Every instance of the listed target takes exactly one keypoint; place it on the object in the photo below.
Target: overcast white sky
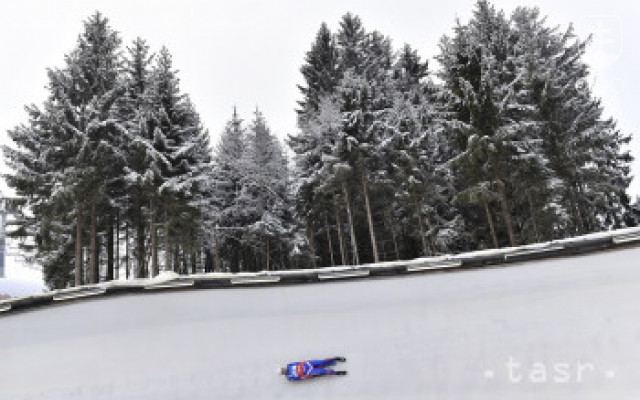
(248, 53)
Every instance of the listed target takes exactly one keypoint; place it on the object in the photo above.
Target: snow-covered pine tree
(38, 162)
(351, 41)
(192, 186)
(181, 169)
(82, 141)
(136, 112)
(92, 85)
(363, 95)
(317, 187)
(264, 196)
(529, 134)
(338, 148)
(314, 193)
(228, 171)
(585, 151)
(109, 136)
(534, 218)
(320, 72)
(472, 108)
(494, 130)
(413, 154)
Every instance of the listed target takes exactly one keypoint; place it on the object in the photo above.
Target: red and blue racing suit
(309, 369)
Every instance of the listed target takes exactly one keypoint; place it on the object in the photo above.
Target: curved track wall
(555, 328)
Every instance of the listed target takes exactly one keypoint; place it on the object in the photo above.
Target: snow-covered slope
(561, 328)
(12, 287)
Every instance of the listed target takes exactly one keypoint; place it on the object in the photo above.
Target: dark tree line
(116, 155)
(502, 144)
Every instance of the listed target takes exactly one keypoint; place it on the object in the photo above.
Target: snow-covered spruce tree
(92, 83)
(534, 218)
(317, 187)
(347, 145)
(321, 75)
(135, 111)
(264, 198)
(228, 171)
(189, 220)
(37, 164)
(365, 98)
(493, 130)
(529, 136)
(180, 168)
(389, 146)
(351, 45)
(79, 129)
(590, 169)
(413, 150)
(320, 72)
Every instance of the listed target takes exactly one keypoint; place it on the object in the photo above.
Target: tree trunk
(490, 221)
(110, 245)
(586, 214)
(79, 276)
(93, 260)
(354, 244)
(153, 271)
(395, 245)
(243, 261)
(192, 258)
(177, 267)
(85, 263)
(394, 238)
(312, 245)
(281, 249)
(140, 271)
(340, 233)
(208, 260)
(235, 257)
(372, 234)
(533, 217)
(184, 253)
(423, 235)
(216, 238)
(179, 264)
(430, 240)
(117, 271)
(126, 250)
(266, 239)
(167, 253)
(579, 225)
(506, 215)
(330, 243)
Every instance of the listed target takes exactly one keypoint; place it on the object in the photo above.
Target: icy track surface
(566, 328)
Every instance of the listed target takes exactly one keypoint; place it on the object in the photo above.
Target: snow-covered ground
(21, 278)
(563, 328)
(18, 268)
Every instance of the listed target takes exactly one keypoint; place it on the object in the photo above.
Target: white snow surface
(422, 336)
(12, 287)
